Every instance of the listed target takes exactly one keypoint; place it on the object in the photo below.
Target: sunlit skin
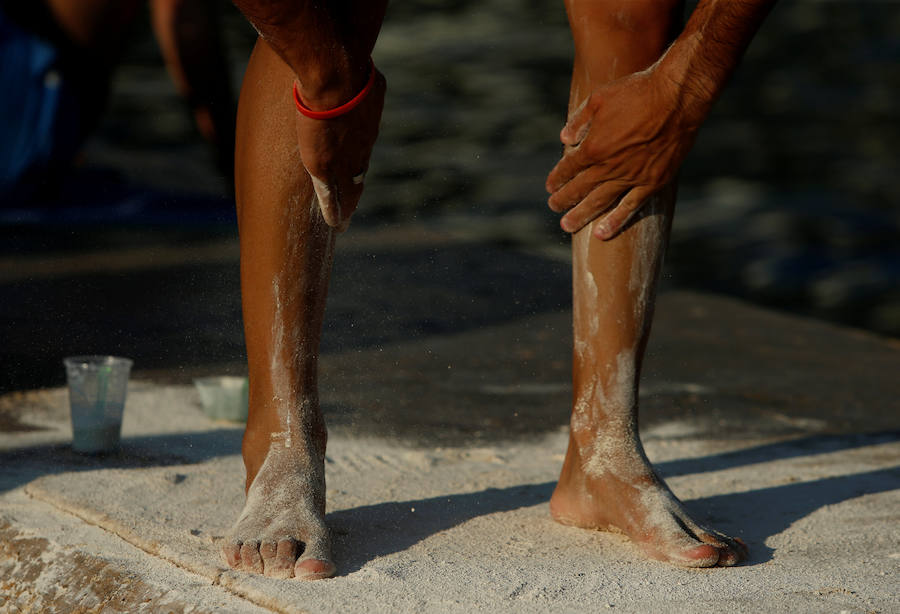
(636, 103)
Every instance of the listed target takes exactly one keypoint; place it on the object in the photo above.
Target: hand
(335, 153)
(623, 144)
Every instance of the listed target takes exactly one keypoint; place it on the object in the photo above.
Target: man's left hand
(623, 144)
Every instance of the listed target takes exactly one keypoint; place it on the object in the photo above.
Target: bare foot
(281, 532)
(613, 487)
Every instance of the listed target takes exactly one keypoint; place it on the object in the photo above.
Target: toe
(731, 551)
(232, 554)
(313, 569)
(735, 552)
(268, 550)
(703, 555)
(728, 558)
(283, 556)
(250, 558)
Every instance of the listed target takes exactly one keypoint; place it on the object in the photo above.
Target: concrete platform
(443, 454)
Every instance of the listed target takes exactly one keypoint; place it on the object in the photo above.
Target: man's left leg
(607, 481)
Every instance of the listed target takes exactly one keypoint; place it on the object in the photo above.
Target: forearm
(327, 44)
(704, 56)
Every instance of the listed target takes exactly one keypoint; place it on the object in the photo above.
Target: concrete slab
(780, 430)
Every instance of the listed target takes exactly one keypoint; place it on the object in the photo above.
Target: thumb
(579, 123)
(328, 201)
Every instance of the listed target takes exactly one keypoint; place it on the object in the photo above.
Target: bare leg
(607, 481)
(286, 251)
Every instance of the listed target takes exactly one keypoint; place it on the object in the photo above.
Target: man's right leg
(286, 251)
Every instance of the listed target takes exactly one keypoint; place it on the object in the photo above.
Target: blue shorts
(39, 114)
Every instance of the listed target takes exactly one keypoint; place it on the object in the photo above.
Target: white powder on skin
(609, 399)
(330, 203)
(605, 408)
(286, 498)
(649, 252)
(286, 501)
(290, 353)
(614, 405)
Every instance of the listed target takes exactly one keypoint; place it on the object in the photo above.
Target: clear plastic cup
(97, 389)
(223, 397)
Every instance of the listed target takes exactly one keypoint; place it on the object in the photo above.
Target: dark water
(791, 196)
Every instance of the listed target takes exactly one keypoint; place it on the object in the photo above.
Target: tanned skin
(636, 103)
(646, 122)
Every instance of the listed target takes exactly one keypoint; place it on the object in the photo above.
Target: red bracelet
(344, 108)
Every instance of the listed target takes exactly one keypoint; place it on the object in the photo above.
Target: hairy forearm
(704, 56)
(327, 44)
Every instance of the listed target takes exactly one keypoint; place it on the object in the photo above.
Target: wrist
(326, 85)
(694, 89)
(341, 109)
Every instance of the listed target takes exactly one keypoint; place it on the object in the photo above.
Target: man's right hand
(336, 152)
(328, 46)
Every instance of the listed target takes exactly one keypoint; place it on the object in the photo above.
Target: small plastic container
(223, 397)
(97, 389)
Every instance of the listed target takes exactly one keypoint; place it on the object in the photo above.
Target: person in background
(57, 58)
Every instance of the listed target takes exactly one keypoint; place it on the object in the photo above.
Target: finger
(579, 122)
(615, 220)
(593, 205)
(573, 162)
(577, 189)
(329, 201)
(350, 196)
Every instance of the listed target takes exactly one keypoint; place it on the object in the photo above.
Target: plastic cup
(223, 397)
(97, 389)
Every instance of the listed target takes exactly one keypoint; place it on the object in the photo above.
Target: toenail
(313, 569)
(728, 558)
(702, 556)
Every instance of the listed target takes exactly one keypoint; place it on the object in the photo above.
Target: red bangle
(344, 108)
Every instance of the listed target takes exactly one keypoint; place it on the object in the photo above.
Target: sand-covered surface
(441, 462)
(459, 529)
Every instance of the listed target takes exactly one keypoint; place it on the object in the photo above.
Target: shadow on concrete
(769, 511)
(371, 531)
(189, 315)
(783, 450)
(23, 465)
